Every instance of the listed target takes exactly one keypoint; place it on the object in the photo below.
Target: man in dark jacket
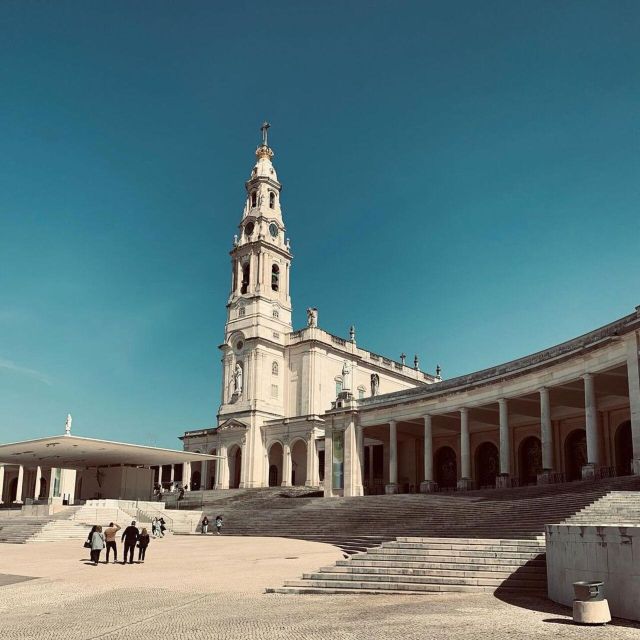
(130, 537)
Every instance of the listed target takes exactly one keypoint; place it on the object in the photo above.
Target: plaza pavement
(194, 587)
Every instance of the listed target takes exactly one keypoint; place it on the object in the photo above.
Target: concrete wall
(127, 483)
(607, 553)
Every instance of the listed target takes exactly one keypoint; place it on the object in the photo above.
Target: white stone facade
(309, 408)
(278, 383)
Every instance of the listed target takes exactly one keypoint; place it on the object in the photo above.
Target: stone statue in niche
(237, 379)
(375, 384)
(346, 377)
(67, 425)
(312, 317)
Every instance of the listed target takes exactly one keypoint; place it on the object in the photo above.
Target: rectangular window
(274, 390)
(338, 387)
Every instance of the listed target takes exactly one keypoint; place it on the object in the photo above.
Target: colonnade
(34, 475)
(546, 439)
(311, 463)
(350, 469)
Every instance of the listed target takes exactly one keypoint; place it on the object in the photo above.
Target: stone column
(505, 450)
(361, 453)
(18, 499)
(36, 490)
(591, 421)
(204, 475)
(1, 483)
(546, 437)
(465, 482)
(633, 376)
(393, 487)
(328, 462)
(186, 475)
(222, 469)
(428, 485)
(172, 477)
(286, 464)
(244, 463)
(312, 462)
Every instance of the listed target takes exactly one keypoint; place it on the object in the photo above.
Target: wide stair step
(424, 565)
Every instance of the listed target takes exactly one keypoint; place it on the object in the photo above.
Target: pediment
(232, 424)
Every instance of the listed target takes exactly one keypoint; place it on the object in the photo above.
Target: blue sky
(461, 181)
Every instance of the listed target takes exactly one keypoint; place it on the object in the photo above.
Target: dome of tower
(263, 167)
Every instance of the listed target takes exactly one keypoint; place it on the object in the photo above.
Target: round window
(248, 229)
(239, 345)
(273, 230)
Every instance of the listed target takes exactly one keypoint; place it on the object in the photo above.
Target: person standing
(163, 526)
(205, 525)
(218, 524)
(130, 537)
(87, 544)
(143, 543)
(110, 539)
(97, 544)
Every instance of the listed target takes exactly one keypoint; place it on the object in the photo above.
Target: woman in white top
(97, 544)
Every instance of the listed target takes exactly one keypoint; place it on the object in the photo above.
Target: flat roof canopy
(72, 452)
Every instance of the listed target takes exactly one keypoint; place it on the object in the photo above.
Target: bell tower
(259, 304)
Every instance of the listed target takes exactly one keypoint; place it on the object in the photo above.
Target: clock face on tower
(273, 230)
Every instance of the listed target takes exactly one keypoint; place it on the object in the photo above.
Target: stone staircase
(61, 530)
(18, 529)
(424, 565)
(484, 541)
(355, 524)
(616, 507)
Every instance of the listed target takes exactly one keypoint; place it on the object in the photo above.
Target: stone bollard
(590, 605)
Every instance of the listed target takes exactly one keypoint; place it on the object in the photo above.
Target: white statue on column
(346, 377)
(67, 425)
(312, 317)
(237, 379)
(375, 384)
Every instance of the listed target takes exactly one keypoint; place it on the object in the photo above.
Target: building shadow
(544, 605)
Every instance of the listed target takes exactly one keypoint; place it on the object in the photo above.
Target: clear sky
(461, 180)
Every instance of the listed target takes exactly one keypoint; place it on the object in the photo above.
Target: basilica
(309, 408)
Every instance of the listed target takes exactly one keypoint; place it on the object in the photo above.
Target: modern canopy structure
(71, 467)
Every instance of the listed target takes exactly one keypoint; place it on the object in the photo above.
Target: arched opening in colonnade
(298, 463)
(529, 460)
(235, 466)
(194, 481)
(487, 463)
(446, 468)
(624, 449)
(275, 464)
(575, 454)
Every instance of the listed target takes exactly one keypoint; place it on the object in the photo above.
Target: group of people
(205, 525)
(132, 537)
(158, 527)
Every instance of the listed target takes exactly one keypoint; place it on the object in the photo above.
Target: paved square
(193, 587)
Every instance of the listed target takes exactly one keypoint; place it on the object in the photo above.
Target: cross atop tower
(265, 133)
